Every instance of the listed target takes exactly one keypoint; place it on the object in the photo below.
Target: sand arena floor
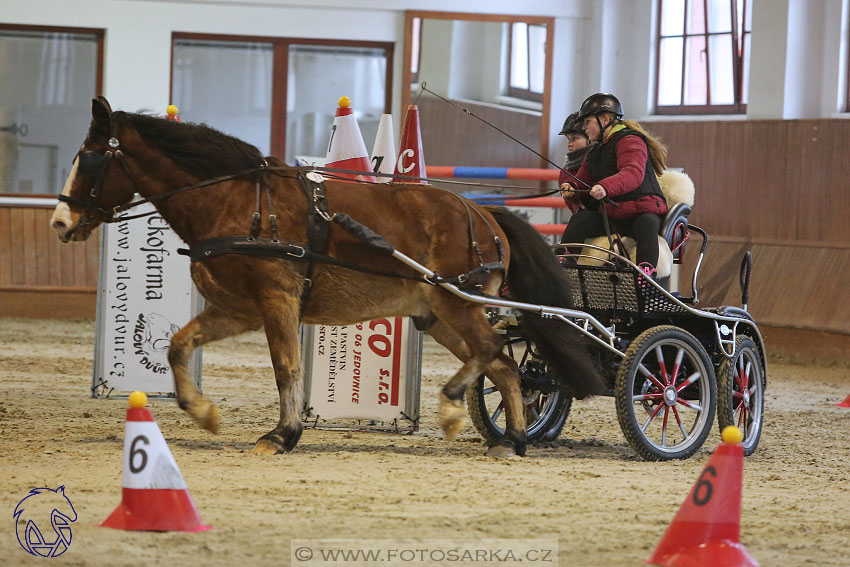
(587, 489)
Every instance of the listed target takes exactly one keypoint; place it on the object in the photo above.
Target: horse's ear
(105, 102)
(100, 111)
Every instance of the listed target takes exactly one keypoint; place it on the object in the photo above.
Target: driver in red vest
(621, 166)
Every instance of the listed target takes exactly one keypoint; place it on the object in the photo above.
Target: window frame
(100, 35)
(280, 45)
(739, 55)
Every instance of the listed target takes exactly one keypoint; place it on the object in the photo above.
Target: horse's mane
(195, 148)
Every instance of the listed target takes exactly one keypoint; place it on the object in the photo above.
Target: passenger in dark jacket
(578, 144)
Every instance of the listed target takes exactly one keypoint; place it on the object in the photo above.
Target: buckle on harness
(295, 254)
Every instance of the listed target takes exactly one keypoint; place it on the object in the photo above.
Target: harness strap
(244, 244)
(317, 227)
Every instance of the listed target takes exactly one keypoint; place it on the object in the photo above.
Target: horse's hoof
(265, 447)
(452, 416)
(500, 452)
(206, 415)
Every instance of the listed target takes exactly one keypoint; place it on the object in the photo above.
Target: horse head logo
(158, 332)
(42, 503)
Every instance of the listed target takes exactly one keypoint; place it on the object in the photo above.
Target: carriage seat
(678, 189)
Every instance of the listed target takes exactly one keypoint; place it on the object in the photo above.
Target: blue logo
(40, 504)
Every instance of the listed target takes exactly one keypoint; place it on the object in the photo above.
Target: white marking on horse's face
(63, 220)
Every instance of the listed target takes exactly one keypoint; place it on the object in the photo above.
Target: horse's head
(96, 185)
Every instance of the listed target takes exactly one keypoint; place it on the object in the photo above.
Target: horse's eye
(90, 163)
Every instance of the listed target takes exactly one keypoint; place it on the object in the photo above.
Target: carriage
(669, 364)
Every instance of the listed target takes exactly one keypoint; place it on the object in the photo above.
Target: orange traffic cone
(346, 149)
(171, 113)
(411, 160)
(706, 529)
(383, 152)
(845, 403)
(154, 494)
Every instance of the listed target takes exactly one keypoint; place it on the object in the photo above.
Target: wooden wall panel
(782, 180)
(794, 286)
(5, 247)
(451, 137)
(32, 258)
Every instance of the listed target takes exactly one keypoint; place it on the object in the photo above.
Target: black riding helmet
(600, 102)
(572, 125)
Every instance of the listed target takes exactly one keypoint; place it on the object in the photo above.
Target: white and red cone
(346, 149)
(411, 160)
(706, 529)
(383, 151)
(154, 495)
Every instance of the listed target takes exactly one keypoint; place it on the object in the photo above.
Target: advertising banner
(144, 296)
(365, 371)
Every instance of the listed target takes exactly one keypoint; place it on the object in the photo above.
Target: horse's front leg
(280, 318)
(210, 325)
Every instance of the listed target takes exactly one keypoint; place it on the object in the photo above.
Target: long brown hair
(657, 150)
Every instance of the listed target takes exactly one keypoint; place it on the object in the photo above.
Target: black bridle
(93, 164)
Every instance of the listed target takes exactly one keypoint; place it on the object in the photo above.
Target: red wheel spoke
(652, 416)
(650, 376)
(642, 397)
(690, 405)
(691, 379)
(679, 421)
(661, 367)
(664, 426)
(677, 365)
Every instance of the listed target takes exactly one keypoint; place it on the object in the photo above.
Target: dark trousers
(643, 228)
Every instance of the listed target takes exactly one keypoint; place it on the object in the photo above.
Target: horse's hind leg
(280, 318)
(502, 371)
(210, 325)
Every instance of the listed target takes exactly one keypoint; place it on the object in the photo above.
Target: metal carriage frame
(671, 366)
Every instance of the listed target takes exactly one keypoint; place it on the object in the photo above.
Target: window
(51, 75)
(703, 56)
(415, 43)
(279, 94)
(847, 66)
(526, 64)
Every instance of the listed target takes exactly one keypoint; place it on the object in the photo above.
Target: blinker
(90, 163)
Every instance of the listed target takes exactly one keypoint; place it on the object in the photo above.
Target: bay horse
(207, 185)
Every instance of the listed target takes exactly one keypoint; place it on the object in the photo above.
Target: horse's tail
(535, 276)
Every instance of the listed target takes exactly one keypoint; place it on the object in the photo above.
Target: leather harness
(315, 251)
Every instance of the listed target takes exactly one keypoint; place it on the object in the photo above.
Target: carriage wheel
(740, 391)
(666, 394)
(546, 408)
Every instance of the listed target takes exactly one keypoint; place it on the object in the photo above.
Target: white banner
(362, 371)
(144, 296)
